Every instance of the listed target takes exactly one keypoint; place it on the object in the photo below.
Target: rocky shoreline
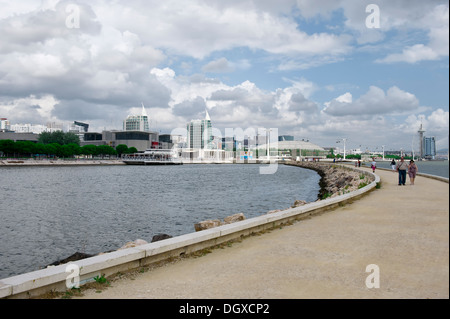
(336, 179)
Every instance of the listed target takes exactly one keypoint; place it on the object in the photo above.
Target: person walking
(373, 165)
(393, 164)
(412, 170)
(402, 166)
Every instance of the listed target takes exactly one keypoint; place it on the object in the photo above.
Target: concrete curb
(54, 278)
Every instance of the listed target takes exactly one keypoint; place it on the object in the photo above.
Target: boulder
(74, 257)
(234, 218)
(207, 224)
(137, 242)
(159, 237)
(298, 203)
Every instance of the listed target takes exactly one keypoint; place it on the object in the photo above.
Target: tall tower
(199, 133)
(137, 122)
(421, 131)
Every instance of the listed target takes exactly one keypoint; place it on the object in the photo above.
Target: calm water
(49, 213)
(439, 168)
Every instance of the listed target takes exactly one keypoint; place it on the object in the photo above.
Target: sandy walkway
(404, 230)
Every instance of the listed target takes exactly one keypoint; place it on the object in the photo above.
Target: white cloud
(436, 23)
(412, 54)
(221, 65)
(375, 101)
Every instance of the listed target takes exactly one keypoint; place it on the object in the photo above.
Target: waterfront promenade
(404, 230)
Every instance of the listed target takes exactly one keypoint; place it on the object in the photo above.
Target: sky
(369, 72)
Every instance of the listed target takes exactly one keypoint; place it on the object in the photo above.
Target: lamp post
(344, 140)
(383, 151)
(268, 143)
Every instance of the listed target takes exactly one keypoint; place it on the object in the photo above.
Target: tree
(71, 138)
(39, 149)
(50, 149)
(121, 149)
(7, 146)
(89, 150)
(58, 137)
(105, 150)
(132, 150)
(24, 148)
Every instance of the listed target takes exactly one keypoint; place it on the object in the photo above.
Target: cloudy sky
(322, 70)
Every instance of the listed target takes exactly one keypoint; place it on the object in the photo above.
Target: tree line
(61, 145)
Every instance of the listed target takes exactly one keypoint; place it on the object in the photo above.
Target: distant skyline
(319, 70)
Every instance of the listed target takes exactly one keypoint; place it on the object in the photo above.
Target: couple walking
(402, 167)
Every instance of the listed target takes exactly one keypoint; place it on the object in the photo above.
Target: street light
(345, 140)
(268, 143)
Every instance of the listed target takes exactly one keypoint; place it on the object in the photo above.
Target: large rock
(207, 224)
(298, 203)
(137, 242)
(159, 237)
(234, 218)
(74, 257)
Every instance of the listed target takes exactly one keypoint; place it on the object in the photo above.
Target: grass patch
(326, 195)
(362, 184)
(101, 280)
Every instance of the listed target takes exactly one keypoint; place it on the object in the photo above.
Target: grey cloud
(236, 94)
(26, 113)
(20, 31)
(299, 103)
(71, 110)
(218, 66)
(190, 108)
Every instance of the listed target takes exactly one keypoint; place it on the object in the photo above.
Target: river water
(438, 168)
(49, 213)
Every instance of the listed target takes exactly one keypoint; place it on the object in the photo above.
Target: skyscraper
(421, 131)
(137, 122)
(429, 147)
(199, 133)
(4, 124)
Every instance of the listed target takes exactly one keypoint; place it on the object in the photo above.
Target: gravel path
(404, 230)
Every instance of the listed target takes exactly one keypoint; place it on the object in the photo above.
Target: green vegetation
(20, 149)
(101, 279)
(397, 157)
(61, 145)
(326, 195)
(362, 184)
(58, 137)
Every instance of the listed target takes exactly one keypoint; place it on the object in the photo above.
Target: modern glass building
(429, 147)
(137, 122)
(199, 133)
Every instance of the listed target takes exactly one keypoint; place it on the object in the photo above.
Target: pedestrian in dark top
(402, 166)
(393, 164)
